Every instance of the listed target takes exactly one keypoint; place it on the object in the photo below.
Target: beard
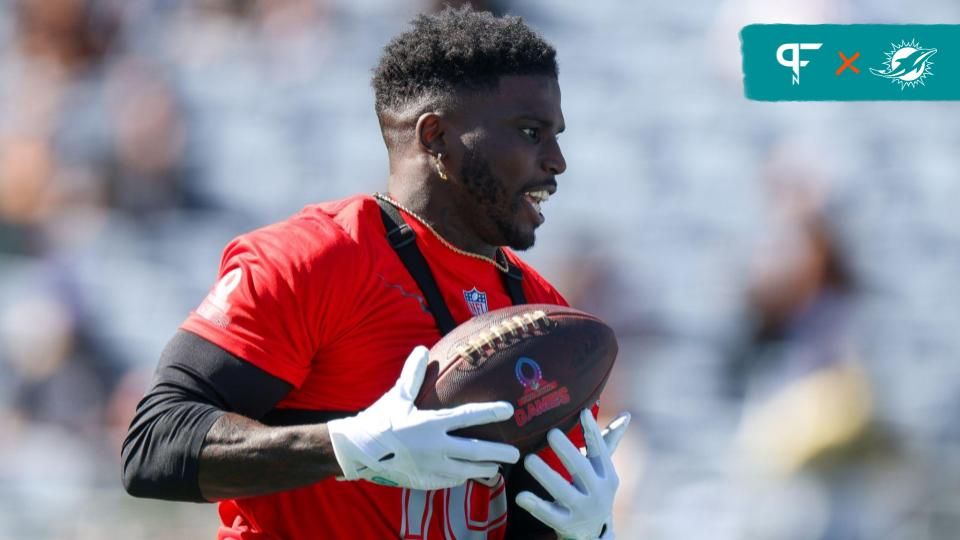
(494, 209)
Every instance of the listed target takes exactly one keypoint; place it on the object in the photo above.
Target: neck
(435, 207)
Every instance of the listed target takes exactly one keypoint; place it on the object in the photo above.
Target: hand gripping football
(550, 362)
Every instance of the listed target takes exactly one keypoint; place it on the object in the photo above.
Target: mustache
(549, 183)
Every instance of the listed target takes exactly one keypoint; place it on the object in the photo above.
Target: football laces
(505, 333)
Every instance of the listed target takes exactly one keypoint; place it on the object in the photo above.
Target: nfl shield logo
(476, 301)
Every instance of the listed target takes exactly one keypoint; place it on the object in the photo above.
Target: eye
(531, 133)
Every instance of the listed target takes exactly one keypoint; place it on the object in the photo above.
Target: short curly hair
(457, 50)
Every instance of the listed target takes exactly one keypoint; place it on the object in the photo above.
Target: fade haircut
(453, 51)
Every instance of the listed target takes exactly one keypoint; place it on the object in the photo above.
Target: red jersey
(322, 301)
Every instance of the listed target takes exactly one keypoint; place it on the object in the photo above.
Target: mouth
(536, 196)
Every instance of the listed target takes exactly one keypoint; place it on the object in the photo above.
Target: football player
(287, 395)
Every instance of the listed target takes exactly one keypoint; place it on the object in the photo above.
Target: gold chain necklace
(500, 266)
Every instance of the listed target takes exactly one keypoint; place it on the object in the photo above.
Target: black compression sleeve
(195, 383)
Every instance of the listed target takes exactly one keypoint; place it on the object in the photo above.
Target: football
(550, 362)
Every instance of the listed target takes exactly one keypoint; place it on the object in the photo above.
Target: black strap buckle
(401, 236)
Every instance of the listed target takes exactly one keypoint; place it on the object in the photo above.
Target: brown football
(550, 362)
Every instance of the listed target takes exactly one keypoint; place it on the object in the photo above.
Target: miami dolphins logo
(907, 64)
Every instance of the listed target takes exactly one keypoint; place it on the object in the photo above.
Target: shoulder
(313, 236)
(537, 287)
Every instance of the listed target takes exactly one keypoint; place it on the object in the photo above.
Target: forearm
(243, 458)
(188, 407)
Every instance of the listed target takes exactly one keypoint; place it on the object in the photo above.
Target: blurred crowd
(782, 277)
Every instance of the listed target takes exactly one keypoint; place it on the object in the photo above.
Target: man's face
(508, 158)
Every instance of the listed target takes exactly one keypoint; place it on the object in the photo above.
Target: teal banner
(859, 62)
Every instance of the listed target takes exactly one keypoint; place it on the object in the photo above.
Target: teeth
(539, 196)
(532, 201)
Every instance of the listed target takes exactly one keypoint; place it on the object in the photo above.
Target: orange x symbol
(848, 62)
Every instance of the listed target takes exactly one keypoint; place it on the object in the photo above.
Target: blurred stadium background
(783, 277)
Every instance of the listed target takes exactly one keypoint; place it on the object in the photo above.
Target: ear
(430, 133)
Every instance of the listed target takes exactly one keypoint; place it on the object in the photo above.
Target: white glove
(395, 444)
(580, 510)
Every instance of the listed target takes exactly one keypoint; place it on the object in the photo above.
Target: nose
(553, 162)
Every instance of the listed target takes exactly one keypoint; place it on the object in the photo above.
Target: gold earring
(443, 175)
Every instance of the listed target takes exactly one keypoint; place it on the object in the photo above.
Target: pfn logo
(794, 62)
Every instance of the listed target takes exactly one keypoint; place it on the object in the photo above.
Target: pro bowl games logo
(907, 64)
(539, 396)
(476, 301)
(529, 374)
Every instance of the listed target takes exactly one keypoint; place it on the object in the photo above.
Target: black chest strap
(402, 239)
(513, 282)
